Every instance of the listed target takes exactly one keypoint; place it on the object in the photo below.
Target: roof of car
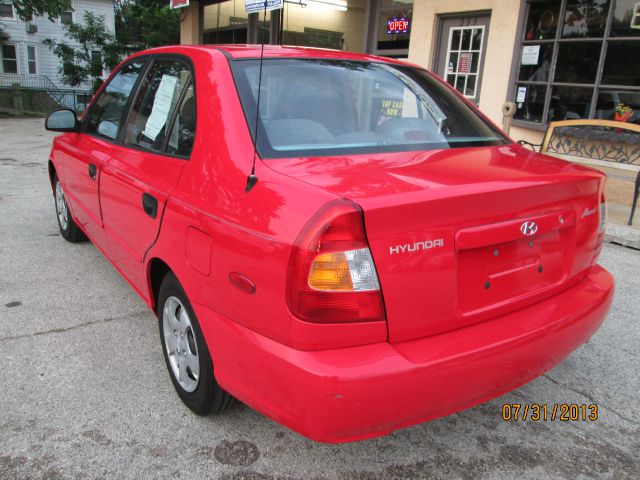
(236, 51)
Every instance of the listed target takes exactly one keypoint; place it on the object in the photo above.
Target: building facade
(23, 57)
(555, 59)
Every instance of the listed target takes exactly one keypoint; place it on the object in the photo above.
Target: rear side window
(155, 104)
(106, 114)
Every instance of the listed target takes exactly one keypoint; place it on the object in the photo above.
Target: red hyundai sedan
(340, 241)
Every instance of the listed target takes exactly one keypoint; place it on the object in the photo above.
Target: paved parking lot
(85, 392)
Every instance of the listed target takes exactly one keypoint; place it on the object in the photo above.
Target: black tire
(70, 232)
(207, 397)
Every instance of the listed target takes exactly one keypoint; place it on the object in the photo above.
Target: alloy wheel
(61, 207)
(180, 344)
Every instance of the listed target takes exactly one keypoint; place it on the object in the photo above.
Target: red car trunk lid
(460, 236)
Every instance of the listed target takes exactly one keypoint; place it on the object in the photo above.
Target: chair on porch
(595, 142)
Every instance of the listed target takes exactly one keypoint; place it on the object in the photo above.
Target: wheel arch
(52, 172)
(156, 271)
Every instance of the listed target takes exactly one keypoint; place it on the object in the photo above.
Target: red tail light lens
(332, 277)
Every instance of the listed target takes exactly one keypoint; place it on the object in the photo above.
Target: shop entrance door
(460, 52)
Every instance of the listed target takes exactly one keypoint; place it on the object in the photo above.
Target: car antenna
(252, 179)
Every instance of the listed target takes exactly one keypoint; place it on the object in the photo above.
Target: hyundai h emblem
(529, 228)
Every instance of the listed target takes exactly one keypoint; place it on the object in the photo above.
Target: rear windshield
(314, 107)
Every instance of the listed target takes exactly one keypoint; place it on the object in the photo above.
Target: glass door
(461, 52)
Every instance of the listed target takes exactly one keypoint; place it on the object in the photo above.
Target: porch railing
(38, 82)
(41, 94)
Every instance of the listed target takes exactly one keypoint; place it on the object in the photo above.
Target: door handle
(92, 171)
(150, 205)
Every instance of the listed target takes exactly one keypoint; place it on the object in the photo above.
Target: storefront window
(626, 19)
(570, 103)
(531, 103)
(577, 60)
(336, 24)
(622, 66)
(609, 100)
(394, 22)
(543, 20)
(226, 22)
(585, 18)
(540, 71)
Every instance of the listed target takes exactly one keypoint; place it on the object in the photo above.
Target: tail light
(332, 277)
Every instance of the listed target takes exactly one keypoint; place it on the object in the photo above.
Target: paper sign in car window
(161, 107)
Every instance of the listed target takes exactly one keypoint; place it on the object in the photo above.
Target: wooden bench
(602, 143)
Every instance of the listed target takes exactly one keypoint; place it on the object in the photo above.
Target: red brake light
(332, 278)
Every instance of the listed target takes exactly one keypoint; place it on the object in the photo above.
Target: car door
(87, 152)
(144, 167)
(462, 48)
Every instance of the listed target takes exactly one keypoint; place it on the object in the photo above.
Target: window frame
(35, 58)
(556, 41)
(125, 115)
(17, 60)
(477, 74)
(13, 16)
(172, 118)
(135, 91)
(73, 17)
(99, 52)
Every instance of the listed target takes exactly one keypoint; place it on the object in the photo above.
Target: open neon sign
(397, 25)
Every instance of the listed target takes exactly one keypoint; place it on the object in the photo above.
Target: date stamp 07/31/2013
(542, 412)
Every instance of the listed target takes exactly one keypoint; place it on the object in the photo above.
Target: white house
(24, 58)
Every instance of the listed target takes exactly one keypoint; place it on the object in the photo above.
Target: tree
(92, 49)
(146, 23)
(27, 9)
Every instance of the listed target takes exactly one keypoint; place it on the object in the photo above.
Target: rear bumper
(360, 392)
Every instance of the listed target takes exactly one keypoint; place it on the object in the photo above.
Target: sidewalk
(619, 194)
(623, 235)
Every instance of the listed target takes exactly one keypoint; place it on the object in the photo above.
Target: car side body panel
(77, 153)
(251, 233)
(131, 230)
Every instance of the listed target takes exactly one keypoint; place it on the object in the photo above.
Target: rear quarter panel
(251, 233)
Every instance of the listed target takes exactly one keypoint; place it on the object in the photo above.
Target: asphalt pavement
(85, 392)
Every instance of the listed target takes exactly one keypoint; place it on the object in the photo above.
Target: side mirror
(64, 120)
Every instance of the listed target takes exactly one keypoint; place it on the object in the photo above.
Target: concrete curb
(627, 236)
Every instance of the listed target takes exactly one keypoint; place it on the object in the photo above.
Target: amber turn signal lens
(351, 270)
(330, 271)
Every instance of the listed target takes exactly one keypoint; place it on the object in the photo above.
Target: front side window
(155, 104)
(9, 58)
(106, 113)
(332, 107)
(575, 61)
